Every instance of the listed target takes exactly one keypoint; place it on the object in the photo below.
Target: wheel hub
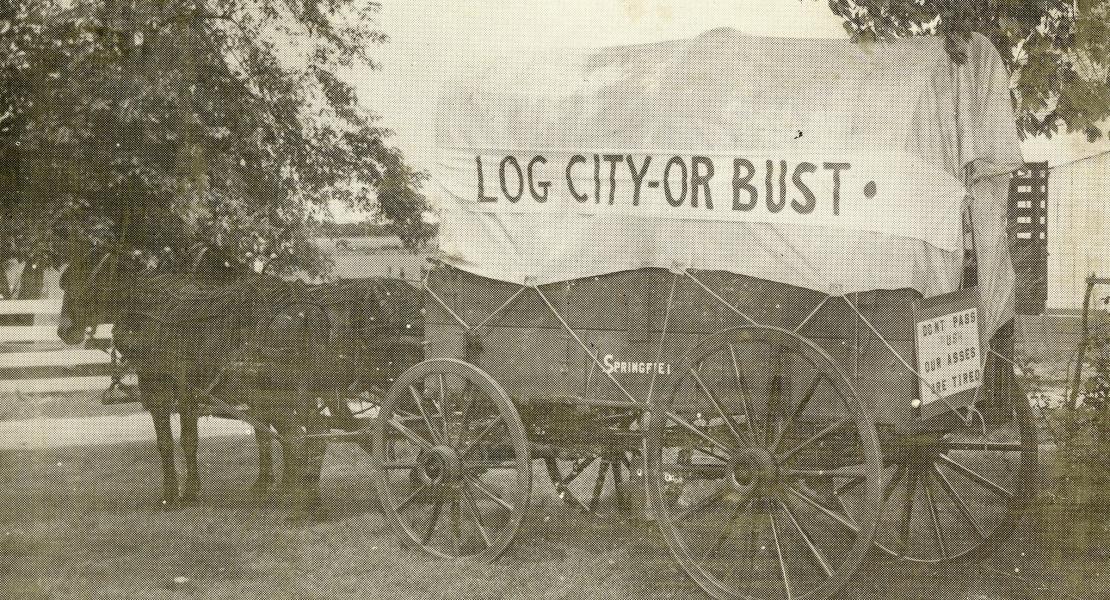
(753, 465)
(439, 466)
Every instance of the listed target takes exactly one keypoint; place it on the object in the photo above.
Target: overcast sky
(430, 39)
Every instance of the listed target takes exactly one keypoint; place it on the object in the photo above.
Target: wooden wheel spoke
(700, 505)
(743, 506)
(818, 556)
(844, 520)
(745, 397)
(408, 499)
(478, 465)
(701, 434)
(947, 486)
(473, 443)
(976, 477)
(443, 405)
(710, 454)
(437, 508)
(464, 420)
(719, 470)
(907, 509)
(456, 526)
(851, 484)
(853, 472)
(782, 559)
(798, 410)
(418, 399)
(720, 409)
(888, 491)
(489, 494)
(933, 517)
(984, 446)
(774, 402)
(472, 508)
(820, 435)
(411, 435)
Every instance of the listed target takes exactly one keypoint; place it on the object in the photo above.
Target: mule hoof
(168, 502)
(260, 489)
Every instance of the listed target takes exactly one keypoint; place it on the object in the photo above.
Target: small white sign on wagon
(950, 355)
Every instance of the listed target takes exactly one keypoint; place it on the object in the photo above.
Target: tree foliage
(226, 122)
(1057, 51)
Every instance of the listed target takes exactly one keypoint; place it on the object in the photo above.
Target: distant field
(373, 257)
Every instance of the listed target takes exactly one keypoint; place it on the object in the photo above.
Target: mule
(180, 332)
(287, 350)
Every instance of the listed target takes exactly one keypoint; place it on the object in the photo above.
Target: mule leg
(187, 410)
(264, 439)
(291, 442)
(295, 482)
(314, 450)
(160, 412)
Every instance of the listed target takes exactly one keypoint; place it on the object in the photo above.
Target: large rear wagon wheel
(451, 461)
(957, 494)
(758, 426)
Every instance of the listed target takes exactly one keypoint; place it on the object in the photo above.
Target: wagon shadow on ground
(77, 522)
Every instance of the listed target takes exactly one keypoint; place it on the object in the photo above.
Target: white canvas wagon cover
(816, 163)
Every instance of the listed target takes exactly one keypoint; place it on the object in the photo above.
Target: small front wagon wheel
(758, 427)
(451, 461)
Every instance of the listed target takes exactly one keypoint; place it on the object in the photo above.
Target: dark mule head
(92, 284)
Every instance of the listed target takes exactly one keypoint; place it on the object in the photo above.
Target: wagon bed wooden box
(621, 316)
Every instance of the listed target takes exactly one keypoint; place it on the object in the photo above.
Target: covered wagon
(770, 276)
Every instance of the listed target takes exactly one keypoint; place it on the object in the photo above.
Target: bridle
(84, 291)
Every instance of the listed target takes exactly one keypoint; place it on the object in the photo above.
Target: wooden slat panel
(31, 307)
(55, 358)
(41, 333)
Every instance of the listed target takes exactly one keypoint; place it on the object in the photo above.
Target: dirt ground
(80, 522)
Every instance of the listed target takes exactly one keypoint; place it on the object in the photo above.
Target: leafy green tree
(1057, 51)
(172, 122)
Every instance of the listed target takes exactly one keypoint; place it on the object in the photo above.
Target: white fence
(34, 360)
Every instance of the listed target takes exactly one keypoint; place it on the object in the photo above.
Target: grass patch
(80, 523)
